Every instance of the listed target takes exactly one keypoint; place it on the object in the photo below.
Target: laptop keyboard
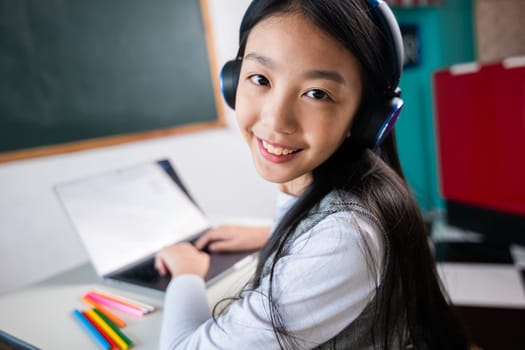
(144, 274)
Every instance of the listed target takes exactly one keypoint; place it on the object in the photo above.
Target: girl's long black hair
(410, 293)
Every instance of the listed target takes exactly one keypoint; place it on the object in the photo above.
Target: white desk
(42, 314)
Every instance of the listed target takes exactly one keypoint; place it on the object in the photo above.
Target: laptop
(123, 217)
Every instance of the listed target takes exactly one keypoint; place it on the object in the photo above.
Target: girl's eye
(258, 79)
(317, 94)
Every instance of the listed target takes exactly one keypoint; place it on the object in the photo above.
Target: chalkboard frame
(113, 140)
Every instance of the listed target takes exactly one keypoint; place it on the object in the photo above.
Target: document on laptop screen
(128, 214)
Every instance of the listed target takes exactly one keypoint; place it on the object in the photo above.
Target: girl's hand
(233, 238)
(180, 259)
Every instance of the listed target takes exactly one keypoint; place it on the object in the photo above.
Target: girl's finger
(159, 265)
(222, 246)
(203, 240)
(212, 235)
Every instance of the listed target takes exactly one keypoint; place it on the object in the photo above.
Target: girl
(347, 265)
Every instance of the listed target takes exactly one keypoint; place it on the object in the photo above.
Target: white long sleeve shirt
(320, 287)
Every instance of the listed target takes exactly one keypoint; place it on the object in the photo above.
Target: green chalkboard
(76, 70)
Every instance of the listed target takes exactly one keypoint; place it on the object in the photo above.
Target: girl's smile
(295, 103)
(277, 153)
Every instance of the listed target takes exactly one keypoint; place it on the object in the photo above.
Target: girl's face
(298, 93)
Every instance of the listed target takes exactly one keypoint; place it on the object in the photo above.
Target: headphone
(375, 124)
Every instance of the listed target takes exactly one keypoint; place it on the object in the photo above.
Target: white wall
(36, 240)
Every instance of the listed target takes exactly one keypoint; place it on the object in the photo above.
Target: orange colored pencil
(114, 318)
(114, 345)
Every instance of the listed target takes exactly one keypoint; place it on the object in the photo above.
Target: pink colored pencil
(114, 304)
(135, 304)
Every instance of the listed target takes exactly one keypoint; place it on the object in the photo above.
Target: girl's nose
(279, 113)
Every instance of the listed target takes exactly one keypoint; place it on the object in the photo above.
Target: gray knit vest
(358, 334)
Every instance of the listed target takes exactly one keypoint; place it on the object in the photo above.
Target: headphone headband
(388, 23)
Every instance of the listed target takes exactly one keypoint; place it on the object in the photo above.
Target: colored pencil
(116, 300)
(100, 340)
(113, 345)
(107, 329)
(133, 303)
(116, 305)
(114, 318)
(114, 327)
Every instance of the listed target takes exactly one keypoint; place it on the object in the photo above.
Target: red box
(480, 120)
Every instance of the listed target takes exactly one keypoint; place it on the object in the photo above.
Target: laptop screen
(127, 214)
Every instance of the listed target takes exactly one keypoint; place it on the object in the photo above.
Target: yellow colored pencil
(107, 329)
(114, 327)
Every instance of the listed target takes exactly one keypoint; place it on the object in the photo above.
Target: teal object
(446, 38)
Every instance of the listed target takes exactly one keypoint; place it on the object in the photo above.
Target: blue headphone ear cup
(229, 79)
(372, 126)
(392, 110)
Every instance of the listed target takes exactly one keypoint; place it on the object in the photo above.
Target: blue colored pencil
(103, 343)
